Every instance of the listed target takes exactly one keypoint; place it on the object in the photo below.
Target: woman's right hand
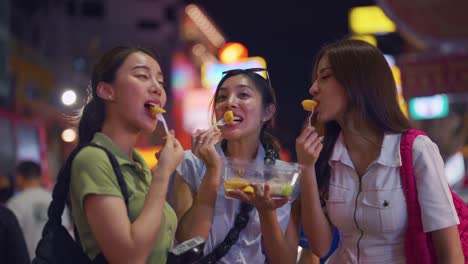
(261, 199)
(171, 154)
(203, 146)
(308, 146)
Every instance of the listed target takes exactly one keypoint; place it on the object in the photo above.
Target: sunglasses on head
(250, 70)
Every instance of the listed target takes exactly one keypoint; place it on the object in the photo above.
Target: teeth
(151, 105)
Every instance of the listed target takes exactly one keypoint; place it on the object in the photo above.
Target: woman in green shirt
(126, 83)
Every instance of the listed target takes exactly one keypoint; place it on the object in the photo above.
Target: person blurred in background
(31, 202)
(6, 188)
(12, 245)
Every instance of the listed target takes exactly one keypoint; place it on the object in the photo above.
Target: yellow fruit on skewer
(309, 105)
(229, 117)
(157, 110)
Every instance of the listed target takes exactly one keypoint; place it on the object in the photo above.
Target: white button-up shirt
(370, 212)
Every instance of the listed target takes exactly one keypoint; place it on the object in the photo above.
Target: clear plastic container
(242, 175)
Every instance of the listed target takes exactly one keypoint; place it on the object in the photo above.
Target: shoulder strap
(62, 186)
(242, 218)
(118, 173)
(418, 245)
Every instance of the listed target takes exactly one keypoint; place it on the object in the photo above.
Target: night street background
(287, 36)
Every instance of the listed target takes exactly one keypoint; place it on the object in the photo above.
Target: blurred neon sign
(370, 20)
(212, 73)
(429, 107)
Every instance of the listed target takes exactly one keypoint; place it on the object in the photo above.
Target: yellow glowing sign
(232, 52)
(396, 75)
(370, 20)
(402, 104)
(212, 72)
(149, 154)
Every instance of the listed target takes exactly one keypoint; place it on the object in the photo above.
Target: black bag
(56, 245)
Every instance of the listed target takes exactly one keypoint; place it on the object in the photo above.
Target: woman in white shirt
(199, 198)
(351, 174)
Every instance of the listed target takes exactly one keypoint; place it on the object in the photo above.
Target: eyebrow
(324, 69)
(145, 68)
(237, 86)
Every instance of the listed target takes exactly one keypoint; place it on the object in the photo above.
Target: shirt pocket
(337, 206)
(385, 211)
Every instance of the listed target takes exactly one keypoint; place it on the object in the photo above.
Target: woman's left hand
(260, 199)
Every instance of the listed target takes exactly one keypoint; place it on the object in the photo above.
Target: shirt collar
(340, 153)
(259, 158)
(389, 153)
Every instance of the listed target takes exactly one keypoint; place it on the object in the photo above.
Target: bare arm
(447, 245)
(195, 210)
(120, 240)
(308, 257)
(317, 229)
(280, 248)
(316, 226)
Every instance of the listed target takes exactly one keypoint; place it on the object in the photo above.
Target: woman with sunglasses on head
(125, 83)
(232, 228)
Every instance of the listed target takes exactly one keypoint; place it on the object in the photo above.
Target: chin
(229, 135)
(322, 119)
(148, 128)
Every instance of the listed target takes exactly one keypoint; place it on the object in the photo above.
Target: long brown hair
(105, 70)
(365, 75)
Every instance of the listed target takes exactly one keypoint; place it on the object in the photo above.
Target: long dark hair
(269, 142)
(368, 81)
(93, 113)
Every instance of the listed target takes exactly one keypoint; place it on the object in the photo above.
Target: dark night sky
(287, 36)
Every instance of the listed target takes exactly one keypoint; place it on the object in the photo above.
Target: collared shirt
(370, 212)
(248, 248)
(92, 173)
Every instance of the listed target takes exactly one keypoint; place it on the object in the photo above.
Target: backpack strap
(62, 186)
(240, 222)
(118, 173)
(418, 245)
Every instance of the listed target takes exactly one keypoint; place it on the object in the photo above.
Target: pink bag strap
(418, 246)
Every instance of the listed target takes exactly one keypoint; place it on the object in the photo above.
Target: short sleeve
(92, 173)
(435, 198)
(191, 170)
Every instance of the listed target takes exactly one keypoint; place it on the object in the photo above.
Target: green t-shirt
(92, 173)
